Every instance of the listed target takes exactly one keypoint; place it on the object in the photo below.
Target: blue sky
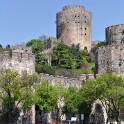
(23, 20)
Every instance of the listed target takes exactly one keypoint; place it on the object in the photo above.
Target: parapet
(21, 49)
(73, 7)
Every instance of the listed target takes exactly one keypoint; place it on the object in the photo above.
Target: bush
(45, 69)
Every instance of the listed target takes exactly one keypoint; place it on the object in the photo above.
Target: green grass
(88, 70)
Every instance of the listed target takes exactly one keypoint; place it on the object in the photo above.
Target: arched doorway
(99, 117)
(85, 48)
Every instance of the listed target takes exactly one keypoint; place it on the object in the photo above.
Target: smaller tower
(115, 33)
(110, 58)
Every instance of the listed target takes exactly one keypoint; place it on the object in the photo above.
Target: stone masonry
(110, 58)
(76, 82)
(19, 59)
(73, 26)
(115, 33)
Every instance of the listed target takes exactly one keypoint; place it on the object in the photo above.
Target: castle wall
(115, 33)
(74, 26)
(77, 82)
(20, 59)
(111, 59)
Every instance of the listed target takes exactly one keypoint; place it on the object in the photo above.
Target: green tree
(70, 101)
(15, 90)
(75, 50)
(41, 64)
(46, 96)
(62, 57)
(109, 89)
(37, 47)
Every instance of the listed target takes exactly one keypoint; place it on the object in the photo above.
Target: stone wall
(110, 59)
(77, 82)
(73, 25)
(51, 42)
(20, 58)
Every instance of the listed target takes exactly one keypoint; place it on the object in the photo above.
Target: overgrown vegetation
(63, 58)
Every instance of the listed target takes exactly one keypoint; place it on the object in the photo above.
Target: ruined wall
(73, 25)
(51, 42)
(115, 33)
(20, 58)
(111, 59)
(77, 82)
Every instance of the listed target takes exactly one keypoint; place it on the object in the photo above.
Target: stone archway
(98, 114)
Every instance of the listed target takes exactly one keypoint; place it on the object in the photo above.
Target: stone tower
(110, 58)
(115, 33)
(73, 25)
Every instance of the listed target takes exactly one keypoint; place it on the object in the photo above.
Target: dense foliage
(63, 57)
(110, 90)
(46, 96)
(70, 57)
(38, 46)
(15, 90)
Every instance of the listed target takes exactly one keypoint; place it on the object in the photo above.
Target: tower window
(21, 55)
(85, 48)
(85, 28)
(85, 34)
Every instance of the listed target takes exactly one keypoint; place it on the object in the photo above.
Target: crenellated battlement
(73, 8)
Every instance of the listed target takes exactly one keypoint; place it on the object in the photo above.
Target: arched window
(85, 48)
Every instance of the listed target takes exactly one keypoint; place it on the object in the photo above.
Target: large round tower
(74, 26)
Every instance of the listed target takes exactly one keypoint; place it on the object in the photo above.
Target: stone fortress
(110, 58)
(73, 26)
